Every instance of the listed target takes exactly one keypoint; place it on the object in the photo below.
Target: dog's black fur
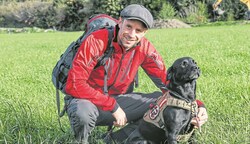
(182, 76)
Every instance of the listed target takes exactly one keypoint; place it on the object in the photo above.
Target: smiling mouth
(129, 40)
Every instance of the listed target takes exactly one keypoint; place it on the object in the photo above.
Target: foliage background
(71, 15)
(27, 97)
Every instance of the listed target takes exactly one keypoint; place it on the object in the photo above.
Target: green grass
(27, 96)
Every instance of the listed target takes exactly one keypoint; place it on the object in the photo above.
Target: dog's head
(183, 70)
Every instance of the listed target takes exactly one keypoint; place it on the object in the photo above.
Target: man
(87, 105)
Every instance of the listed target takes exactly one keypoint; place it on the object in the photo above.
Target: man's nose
(132, 33)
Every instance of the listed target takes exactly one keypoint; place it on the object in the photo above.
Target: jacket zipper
(128, 68)
(119, 68)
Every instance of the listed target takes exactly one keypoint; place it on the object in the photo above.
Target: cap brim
(136, 18)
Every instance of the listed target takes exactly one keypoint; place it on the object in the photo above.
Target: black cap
(138, 12)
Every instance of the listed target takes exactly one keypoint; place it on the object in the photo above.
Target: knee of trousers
(82, 113)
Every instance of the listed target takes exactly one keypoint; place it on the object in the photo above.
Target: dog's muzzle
(194, 73)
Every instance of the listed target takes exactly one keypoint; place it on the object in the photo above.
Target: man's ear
(120, 22)
(170, 73)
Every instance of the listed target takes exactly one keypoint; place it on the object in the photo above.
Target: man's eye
(128, 27)
(138, 31)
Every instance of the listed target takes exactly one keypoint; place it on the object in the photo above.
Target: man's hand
(120, 117)
(201, 117)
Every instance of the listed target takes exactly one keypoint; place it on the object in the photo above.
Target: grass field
(27, 96)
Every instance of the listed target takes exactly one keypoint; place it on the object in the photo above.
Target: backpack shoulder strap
(109, 50)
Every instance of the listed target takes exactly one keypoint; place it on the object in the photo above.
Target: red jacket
(86, 82)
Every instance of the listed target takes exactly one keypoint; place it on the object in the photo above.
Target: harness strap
(185, 137)
(60, 114)
(155, 114)
(171, 101)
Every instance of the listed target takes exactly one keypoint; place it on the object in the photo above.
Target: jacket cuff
(200, 103)
(115, 108)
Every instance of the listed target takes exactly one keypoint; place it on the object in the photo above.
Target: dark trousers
(84, 115)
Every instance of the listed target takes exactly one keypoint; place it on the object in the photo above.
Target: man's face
(130, 33)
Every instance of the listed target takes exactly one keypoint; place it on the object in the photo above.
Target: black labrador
(180, 106)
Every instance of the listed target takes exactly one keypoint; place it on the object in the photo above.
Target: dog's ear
(170, 73)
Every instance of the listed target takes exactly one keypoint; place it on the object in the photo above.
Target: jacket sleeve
(154, 66)
(200, 103)
(82, 66)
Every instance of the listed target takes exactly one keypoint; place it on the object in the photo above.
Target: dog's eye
(184, 64)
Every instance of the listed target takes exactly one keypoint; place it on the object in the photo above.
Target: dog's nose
(195, 67)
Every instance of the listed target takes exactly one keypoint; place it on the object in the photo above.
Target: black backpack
(60, 71)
